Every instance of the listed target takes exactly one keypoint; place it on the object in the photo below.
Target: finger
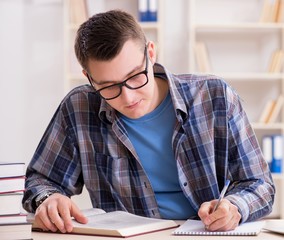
(77, 214)
(222, 224)
(205, 209)
(64, 211)
(227, 217)
(55, 218)
(43, 221)
(219, 214)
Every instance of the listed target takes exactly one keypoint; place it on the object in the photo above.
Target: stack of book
(13, 223)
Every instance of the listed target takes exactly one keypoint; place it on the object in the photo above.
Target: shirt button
(185, 184)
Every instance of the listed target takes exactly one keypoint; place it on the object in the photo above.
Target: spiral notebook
(196, 227)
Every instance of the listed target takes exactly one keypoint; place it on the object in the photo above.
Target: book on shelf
(12, 169)
(276, 109)
(267, 110)
(280, 13)
(12, 184)
(270, 11)
(78, 11)
(272, 110)
(276, 61)
(117, 223)
(196, 227)
(12, 231)
(10, 203)
(274, 10)
(202, 58)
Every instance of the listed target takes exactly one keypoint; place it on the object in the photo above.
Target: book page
(117, 220)
(196, 227)
(92, 211)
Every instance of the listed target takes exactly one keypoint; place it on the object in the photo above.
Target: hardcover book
(117, 223)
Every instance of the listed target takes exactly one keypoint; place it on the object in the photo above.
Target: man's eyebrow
(119, 81)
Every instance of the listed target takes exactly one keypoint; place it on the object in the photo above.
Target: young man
(144, 140)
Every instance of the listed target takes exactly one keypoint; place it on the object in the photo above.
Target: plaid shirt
(87, 144)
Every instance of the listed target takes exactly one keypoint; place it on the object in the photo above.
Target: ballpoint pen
(222, 194)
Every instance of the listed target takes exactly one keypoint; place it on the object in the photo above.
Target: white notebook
(196, 227)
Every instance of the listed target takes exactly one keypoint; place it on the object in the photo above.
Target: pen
(227, 183)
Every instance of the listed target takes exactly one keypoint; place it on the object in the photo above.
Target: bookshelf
(240, 38)
(83, 9)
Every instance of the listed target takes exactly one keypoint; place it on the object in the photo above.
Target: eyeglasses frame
(123, 83)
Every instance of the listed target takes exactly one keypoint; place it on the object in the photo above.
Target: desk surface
(164, 235)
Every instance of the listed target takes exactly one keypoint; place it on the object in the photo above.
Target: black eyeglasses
(136, 81)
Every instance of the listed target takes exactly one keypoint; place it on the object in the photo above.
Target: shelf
(249, 76)
(277, 176)
(239, 26)
(268, 126)
(150, 25)
(144, 25)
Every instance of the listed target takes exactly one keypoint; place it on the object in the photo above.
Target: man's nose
(127, 94)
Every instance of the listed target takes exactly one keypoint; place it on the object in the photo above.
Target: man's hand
(55, 214)
(225, 218)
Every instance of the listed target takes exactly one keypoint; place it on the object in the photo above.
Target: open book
(117, 223)
(196, 227)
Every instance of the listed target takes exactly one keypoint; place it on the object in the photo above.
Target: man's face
(133, 103)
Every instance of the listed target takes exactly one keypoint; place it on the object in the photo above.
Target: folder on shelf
(272, 149)
(267, 149)
(277, 154)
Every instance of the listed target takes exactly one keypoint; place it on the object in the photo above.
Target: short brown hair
(103, 35)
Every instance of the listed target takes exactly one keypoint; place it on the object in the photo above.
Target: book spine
(143, 10)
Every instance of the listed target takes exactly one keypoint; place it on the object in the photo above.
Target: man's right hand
(55, 214)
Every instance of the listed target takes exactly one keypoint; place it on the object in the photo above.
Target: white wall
(31, 75)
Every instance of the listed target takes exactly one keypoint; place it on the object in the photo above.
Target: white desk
(161, 235)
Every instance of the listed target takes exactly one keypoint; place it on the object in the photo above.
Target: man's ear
(152, 52)
(85, 73)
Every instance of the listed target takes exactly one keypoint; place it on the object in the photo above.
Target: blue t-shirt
(151, 136)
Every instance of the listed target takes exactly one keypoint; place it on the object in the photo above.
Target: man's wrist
(39, 199)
